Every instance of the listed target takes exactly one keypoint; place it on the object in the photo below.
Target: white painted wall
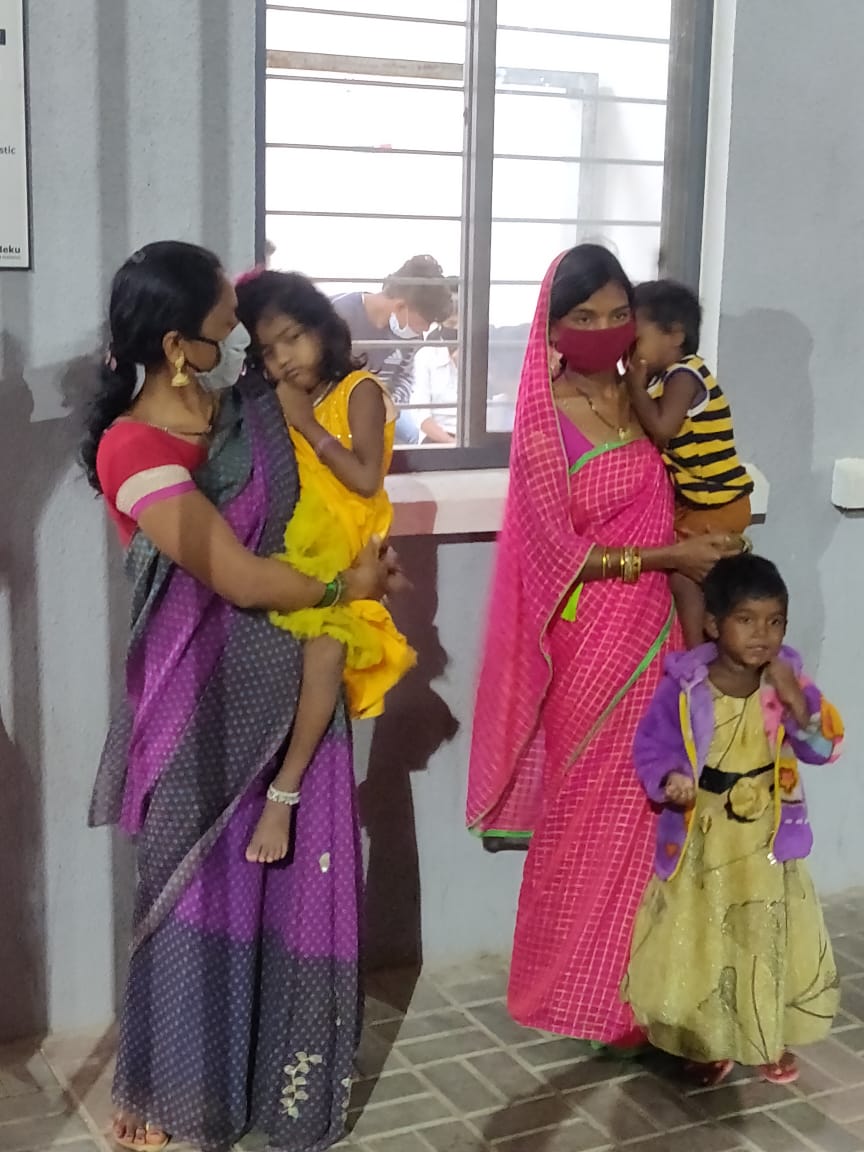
(790, 346)
(141, 122)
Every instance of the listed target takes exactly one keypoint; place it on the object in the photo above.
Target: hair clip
(252, 274)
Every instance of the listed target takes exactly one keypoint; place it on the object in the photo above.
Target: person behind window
(436, 382)
(388, 326)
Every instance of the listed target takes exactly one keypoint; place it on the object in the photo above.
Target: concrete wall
(790, 346)
(142, 128)
(141, 122)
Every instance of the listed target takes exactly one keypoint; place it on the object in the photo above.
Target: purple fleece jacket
(675, 736)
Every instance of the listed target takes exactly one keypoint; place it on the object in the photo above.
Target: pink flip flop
(708, 1075)
(785, 1071)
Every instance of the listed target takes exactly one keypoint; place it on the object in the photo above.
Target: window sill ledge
(471, 503)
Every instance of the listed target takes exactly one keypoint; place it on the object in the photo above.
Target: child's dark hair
(421, 283)
(667, 303)
(267, 294)
(164, 287)
(738, 578)
(581, 272)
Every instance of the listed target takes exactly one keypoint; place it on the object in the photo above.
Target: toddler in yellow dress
(341, 422)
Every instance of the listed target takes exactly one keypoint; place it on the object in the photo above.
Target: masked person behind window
(388, 328)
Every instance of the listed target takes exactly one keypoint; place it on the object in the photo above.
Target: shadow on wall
(415, 725)
(77, 389)
(34, 456)
(766, 356)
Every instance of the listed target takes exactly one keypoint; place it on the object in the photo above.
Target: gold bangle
(622, 562)
(604, 563)
(631, 565)
(637, 565)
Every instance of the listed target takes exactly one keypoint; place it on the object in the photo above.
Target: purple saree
(243, 1004)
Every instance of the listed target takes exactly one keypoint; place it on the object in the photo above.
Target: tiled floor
(444, 1069)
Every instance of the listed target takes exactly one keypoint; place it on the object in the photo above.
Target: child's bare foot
(129, 1132)
(272, 835)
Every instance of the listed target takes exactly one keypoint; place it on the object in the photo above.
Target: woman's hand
(372, 574)
(397, 581)
(696, 556)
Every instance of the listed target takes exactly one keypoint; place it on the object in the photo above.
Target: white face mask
(405, 333)
(228, 368)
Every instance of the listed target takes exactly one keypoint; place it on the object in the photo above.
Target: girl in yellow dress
(730, 960)
(341, 422)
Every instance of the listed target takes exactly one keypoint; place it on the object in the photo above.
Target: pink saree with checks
(567, 673)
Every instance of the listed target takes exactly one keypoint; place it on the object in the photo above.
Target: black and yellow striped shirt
(701, 458)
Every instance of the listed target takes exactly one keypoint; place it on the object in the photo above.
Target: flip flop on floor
(708, 1075)
(145, 1145)
(785, 1071)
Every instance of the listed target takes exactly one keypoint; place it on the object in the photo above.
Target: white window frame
(683, 184)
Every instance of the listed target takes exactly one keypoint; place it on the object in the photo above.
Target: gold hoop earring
(180, 378)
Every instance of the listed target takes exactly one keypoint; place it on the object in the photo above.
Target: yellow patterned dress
(730, 958)
(330, 526)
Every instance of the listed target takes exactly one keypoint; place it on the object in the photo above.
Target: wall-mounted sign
(14, 159)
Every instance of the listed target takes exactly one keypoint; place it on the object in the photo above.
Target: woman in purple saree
(243, 1002)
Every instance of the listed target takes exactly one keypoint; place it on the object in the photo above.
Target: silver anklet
(291, 799)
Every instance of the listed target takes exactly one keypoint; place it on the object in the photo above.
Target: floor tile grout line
(799, 1135)
(423, 1140)
(551, 1091)
(484, 1080)
(76, 1103)
(458, 1116)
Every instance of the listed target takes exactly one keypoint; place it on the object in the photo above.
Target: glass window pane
(352, 137)
(579, 136)
(363, 182)
(436, 10)
(562, 190)
(525, 251)
(358, 36)
(366, 116)
(537, 125)
(616, 17)
(630, 131)
(624, 68)
(557, 126)
(368, 249)
(556, 98)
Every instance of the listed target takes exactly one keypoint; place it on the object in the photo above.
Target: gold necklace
(623, 432)
(173, 430)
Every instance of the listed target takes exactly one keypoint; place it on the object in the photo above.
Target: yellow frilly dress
(329, 528)
(730, 957)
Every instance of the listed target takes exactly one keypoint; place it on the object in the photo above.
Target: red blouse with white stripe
(138, 466)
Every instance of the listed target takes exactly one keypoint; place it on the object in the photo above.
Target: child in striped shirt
(682, 408)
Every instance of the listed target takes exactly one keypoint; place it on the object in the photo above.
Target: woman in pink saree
(581, 619)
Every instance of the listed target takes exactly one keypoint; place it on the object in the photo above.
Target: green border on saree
(640, 669)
